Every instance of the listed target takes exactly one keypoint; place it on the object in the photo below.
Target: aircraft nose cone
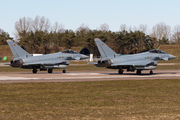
(84, 57)
(172, 57)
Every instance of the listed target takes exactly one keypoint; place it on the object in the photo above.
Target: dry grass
(171, 49)
(170, 61)
(5, 51)
(168, 67)
(149, 99)
(10, 69)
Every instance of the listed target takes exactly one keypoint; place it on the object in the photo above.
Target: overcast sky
(92, 13)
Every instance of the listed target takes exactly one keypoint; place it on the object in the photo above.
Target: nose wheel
(64, 71)
(151, 72)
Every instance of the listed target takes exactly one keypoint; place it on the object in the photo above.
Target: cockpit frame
(157, 51)
(69, 51)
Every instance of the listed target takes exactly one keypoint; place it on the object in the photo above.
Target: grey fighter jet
(141, 61)
(59, 60)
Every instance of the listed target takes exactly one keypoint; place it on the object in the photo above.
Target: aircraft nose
(172, 56)
(84, 57)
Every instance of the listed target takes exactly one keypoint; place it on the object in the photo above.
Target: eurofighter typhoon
(47, 62)
(141, 61)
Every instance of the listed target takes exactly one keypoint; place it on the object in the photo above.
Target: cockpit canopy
(69, 51)
(157, 51)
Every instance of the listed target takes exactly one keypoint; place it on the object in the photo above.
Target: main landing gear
(151, 72)
(34, 70)
(138, 72)
(120, 71)
(49, 70)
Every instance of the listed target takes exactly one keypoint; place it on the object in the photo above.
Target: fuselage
(139, 57)
(128, 61)
(64, 58)
(53, 56)
(48, 62)
(141, 61)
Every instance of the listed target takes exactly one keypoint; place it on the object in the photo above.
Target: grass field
(109, 100)
(168, 67)
(170, 61)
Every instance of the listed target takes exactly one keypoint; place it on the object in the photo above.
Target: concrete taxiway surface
(16, 77)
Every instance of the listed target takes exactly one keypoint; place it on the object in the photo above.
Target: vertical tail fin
(105, 51)
(17, 51)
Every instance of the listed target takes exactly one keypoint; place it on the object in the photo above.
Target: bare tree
(40, 24)
(104, 27)
(47, 25)
(1, 30)
(135, 28)
(34, 23)
(22, 27)
(123, 27)
(143, 28)
(130, 28)
(55, 27)
(176, 34)
(83, 28)
(58, 28)
(161, 30)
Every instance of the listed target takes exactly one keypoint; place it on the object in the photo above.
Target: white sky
(92, 13)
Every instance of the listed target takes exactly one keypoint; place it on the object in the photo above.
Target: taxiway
(17, 77)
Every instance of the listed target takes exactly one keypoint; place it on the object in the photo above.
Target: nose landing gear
(151, 72)
(64, 71)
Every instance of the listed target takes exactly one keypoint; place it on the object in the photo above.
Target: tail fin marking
(105, 51)
(17, 51)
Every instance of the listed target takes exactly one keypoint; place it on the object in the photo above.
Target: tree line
(38, 36)
(3, 37)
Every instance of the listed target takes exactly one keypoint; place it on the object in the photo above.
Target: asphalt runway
(20, 77)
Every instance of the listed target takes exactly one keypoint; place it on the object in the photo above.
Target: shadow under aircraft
(141, 61)
(47, 62)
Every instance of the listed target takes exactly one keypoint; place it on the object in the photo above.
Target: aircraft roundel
(14, 45)
(102, 44)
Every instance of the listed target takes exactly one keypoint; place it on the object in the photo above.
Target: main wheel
(151, 72)
(138, 72)
(34, 70)
(120, 71)
(64, 71)
(49, 70)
